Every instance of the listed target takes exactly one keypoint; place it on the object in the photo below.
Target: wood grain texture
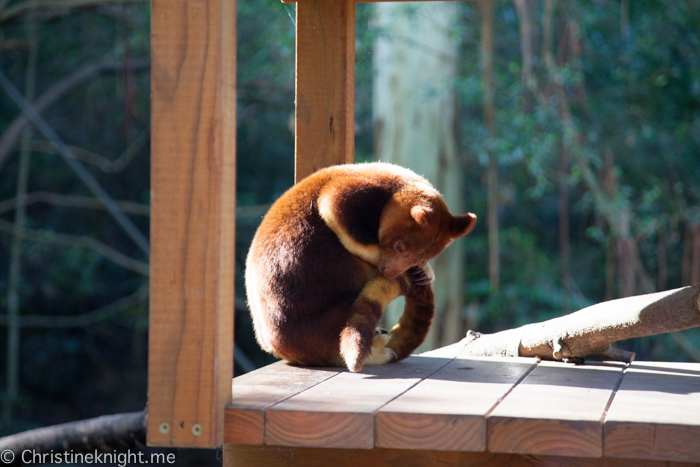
(339, 412)
(254, 392)
(447, 411)
(256, 456)
(192, 220)
(656, 413)
(556, 410)
(325, 85)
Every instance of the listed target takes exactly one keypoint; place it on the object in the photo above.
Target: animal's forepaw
(421, 275)
(415, 282)
(381, 354)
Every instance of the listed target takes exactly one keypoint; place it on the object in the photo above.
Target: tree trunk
(695, 262)
(686, 257)
(661, 256)
(564, 247)
(487, 82)
(415, 63)
(14, 274)
(524, 9)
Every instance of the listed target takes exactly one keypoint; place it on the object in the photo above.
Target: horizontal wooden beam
(253, 456)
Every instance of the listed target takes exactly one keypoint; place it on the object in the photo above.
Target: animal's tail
(413, 327)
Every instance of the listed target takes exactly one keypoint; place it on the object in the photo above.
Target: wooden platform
(440, 405)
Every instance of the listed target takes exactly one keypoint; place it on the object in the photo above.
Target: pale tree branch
(14, 44)
(82, 320)
(591, 331)
(83, 174)
(14, 272)
(101, 162)
(85, 73)
(72, 201)
(80, 241)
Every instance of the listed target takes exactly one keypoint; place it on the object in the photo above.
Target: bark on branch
(106, 433)
(78, 240)
(590, 331)
(82, 320)
(24, 7)
(72, 201)
(101, 162)
(59, 89)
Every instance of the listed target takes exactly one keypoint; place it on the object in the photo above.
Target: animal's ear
(462, 225)
(423, 215)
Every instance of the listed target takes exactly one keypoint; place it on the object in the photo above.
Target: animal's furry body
(333, 251)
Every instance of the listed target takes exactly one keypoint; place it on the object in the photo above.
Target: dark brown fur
(325, 262)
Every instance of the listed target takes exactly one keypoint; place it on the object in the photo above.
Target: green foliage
(634, 94)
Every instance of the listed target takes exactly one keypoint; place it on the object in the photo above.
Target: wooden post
(325, 85)
(192, 220)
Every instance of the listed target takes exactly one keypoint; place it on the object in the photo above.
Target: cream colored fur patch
(381, 290)
(369, 253)
(381, 354)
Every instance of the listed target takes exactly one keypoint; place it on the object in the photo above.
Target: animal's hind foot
(381, 354)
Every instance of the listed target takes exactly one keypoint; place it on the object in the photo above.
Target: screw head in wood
(196, 429)
(164, 427)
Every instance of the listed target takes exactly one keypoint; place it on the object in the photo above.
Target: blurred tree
(415, 66)
(65, 260)
(488, 91)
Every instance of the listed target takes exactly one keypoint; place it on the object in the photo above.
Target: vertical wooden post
(325, 85)
(193, 89)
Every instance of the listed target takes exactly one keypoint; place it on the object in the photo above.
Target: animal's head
(414, 229)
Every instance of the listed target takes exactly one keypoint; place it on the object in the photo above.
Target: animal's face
(413, 234)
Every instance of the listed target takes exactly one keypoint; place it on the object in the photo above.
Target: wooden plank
(447, 411)
(254, 392)
(325, 85)
(339, 412)
(556, 410)
(255, 456)
(193, 81)
(656, 413)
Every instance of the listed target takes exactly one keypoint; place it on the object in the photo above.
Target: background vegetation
(598, 130)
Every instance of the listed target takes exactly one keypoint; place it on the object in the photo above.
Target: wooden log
(655, 413)
(325, 85)
(556, 410)
(590, 331)
(192, 222)
(108, 432)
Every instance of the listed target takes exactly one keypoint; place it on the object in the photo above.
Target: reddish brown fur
(313, 302)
